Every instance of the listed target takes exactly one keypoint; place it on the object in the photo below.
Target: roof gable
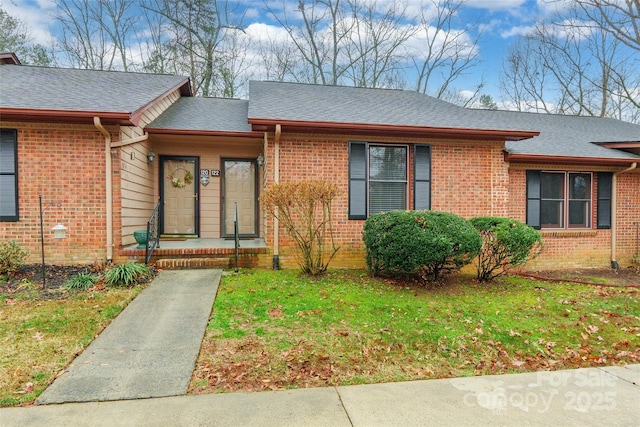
(72, 92)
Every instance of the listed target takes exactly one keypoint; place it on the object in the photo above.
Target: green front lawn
(280, 329)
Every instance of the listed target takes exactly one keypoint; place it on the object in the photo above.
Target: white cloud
(494, 5)
(550, 7)
(259, 32)
(466, 94)
(485, 27)
(522, 30)
(458, 43)
(36, 15)
(252, 13)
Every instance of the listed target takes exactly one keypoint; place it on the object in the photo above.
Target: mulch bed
(29, 279)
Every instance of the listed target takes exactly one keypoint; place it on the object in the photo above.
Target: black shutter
(357, 180)
(604, 199)
(422, 177)
(533, 198)
(8, 175)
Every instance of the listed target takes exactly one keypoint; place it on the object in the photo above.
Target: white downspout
(109, 186)
(614, 212)
(276, 179)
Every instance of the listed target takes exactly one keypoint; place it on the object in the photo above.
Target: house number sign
(215, 172)
(204, 177)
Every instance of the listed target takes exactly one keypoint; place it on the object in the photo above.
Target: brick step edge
(183, 263)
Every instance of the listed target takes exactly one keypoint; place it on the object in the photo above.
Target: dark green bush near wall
(505, 243)
(425, 243)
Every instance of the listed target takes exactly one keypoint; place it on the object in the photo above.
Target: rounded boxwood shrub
(505, 243)
(425, 243)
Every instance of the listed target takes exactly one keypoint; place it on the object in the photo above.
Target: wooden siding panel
(137, 176)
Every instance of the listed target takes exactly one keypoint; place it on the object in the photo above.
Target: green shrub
(425, 243)
(12, 257)
(81, 281)
(128, 274)
(505, 243)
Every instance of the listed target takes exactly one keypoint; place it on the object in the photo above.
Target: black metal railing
(153, 233)
(236, 235)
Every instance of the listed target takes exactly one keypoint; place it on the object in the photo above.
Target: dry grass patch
(39, 338)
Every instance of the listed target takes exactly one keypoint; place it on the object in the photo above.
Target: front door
(179, 195)
(240, 182)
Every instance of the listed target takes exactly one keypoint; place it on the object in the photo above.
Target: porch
(200, 253)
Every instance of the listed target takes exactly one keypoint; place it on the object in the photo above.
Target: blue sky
(501, 21)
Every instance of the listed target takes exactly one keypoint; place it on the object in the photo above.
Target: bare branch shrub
(304, 209)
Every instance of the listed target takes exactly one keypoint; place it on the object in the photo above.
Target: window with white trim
(8, 175)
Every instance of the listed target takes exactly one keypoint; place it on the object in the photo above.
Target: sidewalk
(585, 397)
(149, 350)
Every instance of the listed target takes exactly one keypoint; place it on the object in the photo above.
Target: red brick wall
(628, 218)
(468, 178)
(65, 164)
(582, 248)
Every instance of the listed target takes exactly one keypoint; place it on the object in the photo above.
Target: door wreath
(178, 182)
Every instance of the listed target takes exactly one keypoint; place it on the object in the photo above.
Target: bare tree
(279, 59)
(353, 42)
(372, 50)
(97, 34)
(620, 18)
(15, 37)
(317, 32)
(192, 33)
(524, 80)
(445, 53)
(573, 65)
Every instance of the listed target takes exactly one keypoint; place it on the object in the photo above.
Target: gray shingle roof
(560, 135)
(574, 136)
(342, 104)
(43, 88)
(205, 114)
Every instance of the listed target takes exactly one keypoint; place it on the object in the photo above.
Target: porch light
(59, 231)
(150, 156)
(260, 161)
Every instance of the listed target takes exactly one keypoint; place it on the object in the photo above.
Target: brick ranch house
(104, 149)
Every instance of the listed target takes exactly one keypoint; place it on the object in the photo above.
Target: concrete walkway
(585, 397)
(149, 350)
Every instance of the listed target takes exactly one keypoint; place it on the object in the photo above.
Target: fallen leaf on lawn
(37, 336)
(591, 329)
(11, 301)
(276, 313)
(28, 388)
